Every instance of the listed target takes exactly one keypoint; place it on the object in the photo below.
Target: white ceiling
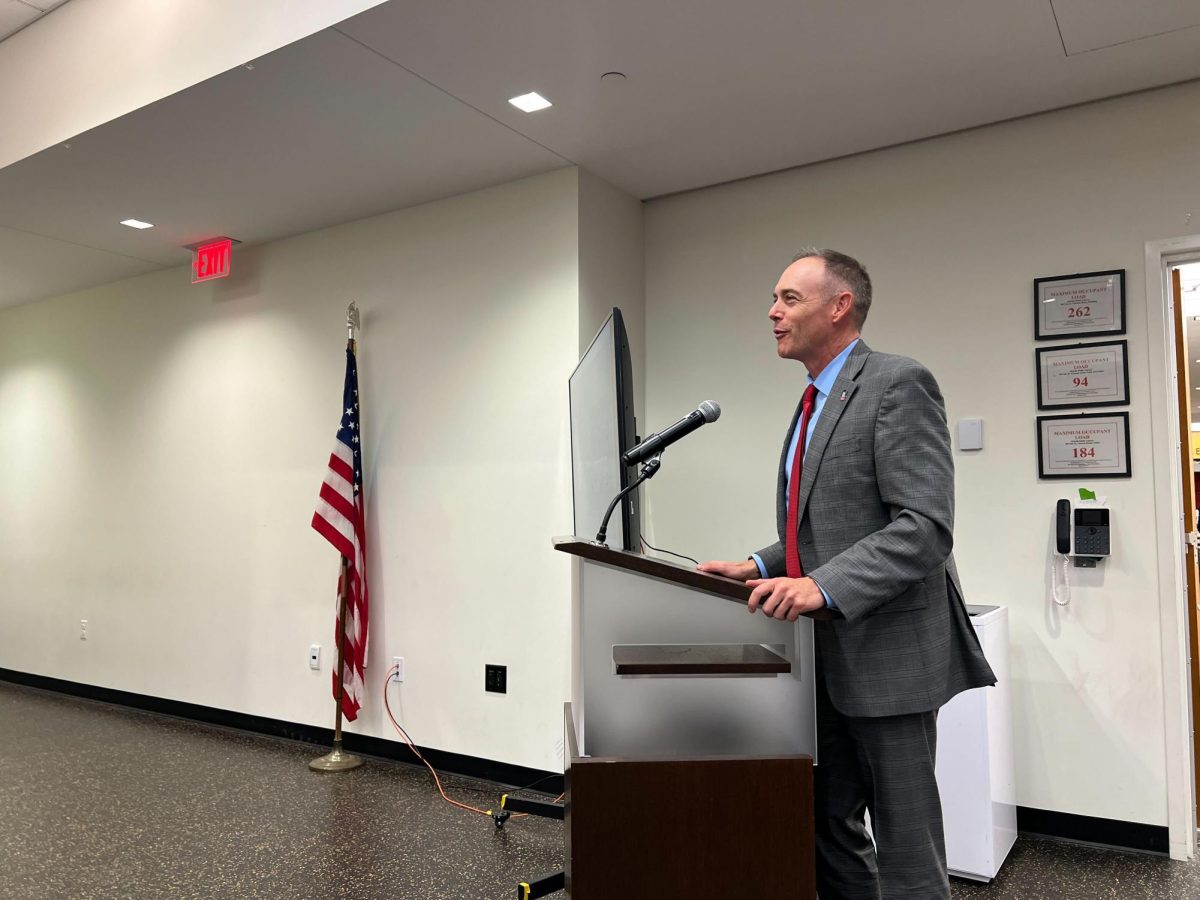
(406, 103)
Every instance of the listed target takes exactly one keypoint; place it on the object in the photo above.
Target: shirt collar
(830, 373)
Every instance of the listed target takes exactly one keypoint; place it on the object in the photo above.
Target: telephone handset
(1062, 528)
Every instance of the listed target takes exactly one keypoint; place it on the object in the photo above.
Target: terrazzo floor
(99, 801)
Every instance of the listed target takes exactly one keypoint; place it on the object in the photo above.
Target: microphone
(706, 412)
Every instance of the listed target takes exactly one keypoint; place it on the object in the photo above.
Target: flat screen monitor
(602, 428)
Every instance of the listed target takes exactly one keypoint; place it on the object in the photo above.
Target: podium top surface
(675, 573)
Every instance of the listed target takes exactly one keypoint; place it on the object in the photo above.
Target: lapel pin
(842, 397)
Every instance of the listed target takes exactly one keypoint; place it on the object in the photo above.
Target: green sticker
(1085, 494)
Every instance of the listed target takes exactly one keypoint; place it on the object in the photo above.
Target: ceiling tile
(44, 5)
(14, 16)
(1094, 24)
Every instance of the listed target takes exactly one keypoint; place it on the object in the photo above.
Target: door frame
(1160, 256)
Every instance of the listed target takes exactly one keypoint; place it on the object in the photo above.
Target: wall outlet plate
(314, 657)
(495, 678)
(398, 669)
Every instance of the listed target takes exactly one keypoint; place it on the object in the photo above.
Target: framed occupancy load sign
(1086, 305)
(1083, 375)
(1086, 446)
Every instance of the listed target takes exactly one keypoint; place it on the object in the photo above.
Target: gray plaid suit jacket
(876, 530)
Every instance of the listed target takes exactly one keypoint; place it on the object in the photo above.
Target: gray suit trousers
(885, 765)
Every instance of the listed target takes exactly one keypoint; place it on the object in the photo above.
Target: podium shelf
(698, 659)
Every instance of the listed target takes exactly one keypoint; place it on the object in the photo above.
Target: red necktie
(791, 546)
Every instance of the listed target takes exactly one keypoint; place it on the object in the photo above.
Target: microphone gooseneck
(648, 471)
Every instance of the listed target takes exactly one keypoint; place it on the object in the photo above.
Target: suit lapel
(835, 404)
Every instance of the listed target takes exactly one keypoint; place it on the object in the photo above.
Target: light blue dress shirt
(824, 383)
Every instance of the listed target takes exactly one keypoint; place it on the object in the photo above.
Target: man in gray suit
(865, 516)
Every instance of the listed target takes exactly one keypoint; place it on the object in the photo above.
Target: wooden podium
(689, 737)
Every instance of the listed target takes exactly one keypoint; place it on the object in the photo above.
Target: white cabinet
(975, 761)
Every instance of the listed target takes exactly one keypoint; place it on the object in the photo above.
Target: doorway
(1172, 412)
(1185, 294)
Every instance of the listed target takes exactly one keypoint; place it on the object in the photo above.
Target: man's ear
(842, 304)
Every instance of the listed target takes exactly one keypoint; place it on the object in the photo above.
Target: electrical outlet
(83, 629)
(398, 668)
(314, 657)
(495, 678)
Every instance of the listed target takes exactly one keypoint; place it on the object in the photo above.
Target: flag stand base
(335, 760)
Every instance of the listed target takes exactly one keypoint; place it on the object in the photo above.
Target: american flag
(339, 517)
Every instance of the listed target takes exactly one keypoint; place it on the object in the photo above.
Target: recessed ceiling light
(137, 223)
(531, 102)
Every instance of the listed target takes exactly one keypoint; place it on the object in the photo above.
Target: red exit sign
(211, 260)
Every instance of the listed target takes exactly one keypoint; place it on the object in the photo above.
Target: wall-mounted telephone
(1082, 532)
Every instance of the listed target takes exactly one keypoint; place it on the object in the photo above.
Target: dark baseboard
(1091, 830)
(506, 774)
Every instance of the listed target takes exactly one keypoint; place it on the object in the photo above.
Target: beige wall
(953, 230)
(612, 269)
(166, 443)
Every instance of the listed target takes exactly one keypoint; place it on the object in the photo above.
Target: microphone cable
(413, 747)
(436, 780)
(646, 543)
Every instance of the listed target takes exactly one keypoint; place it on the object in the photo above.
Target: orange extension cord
(413, 747)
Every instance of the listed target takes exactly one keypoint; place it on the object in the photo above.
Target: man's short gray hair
(851, 274)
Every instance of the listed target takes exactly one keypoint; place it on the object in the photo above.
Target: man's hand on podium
(739, 571)
(785, 598)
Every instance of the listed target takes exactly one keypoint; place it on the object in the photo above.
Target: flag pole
(337, 760)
